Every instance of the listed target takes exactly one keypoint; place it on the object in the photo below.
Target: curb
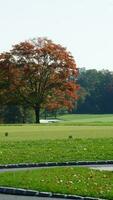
(24, 192)
(53, 164)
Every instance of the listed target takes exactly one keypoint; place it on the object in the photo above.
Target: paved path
(107, 167)
(14, 197)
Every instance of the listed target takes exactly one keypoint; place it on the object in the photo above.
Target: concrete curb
(53, 164)
(24, 192)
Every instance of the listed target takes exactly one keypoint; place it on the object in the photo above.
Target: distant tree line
(96, 93)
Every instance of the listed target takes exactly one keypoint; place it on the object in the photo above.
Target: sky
(84, 27)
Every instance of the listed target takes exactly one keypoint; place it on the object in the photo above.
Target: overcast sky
(85, 27)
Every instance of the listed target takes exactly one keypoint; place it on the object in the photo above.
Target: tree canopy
(96, 91)
(38, 73)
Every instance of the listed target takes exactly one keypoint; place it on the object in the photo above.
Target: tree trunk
(37, 113)
(55, 114)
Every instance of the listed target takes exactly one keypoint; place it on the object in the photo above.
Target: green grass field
(92, 139)
(90, 126)
(39, 143)
(56, 150)
(103, 118)
(69, 180)
(35, 132)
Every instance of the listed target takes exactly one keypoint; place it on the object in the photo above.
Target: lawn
(92, 139)
(35, 132)
(39, 143)
(69, 180)
(56, 150)
(79, 126)
(87, 117)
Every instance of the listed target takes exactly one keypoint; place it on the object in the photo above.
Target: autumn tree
(38, 73)
(4, 76)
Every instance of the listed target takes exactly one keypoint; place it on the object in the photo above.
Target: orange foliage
(40, 73)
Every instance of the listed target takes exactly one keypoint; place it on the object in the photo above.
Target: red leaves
(42, 72)
(24, 48)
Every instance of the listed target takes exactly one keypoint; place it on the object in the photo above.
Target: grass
(30, 132)
(40, 143)
(92, 139)
(55, 150)
(78, 181)
(87, 117)
(79, 126)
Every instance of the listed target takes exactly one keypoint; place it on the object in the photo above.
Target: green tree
(98, 87)
(12, 114)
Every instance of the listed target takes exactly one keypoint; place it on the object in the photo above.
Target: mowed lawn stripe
(55, 150)
(87, 117)
(30, 132)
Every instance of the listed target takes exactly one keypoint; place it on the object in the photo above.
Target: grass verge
(69, 180)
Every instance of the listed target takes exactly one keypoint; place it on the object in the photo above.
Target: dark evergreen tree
(12, 114)
(98, 91)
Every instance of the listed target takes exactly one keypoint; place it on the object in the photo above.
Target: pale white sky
(85, 27)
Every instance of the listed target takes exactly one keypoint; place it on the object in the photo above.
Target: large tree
(36, 72)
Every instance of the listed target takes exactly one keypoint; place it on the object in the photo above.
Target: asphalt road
(107, 167)
(14, 197)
